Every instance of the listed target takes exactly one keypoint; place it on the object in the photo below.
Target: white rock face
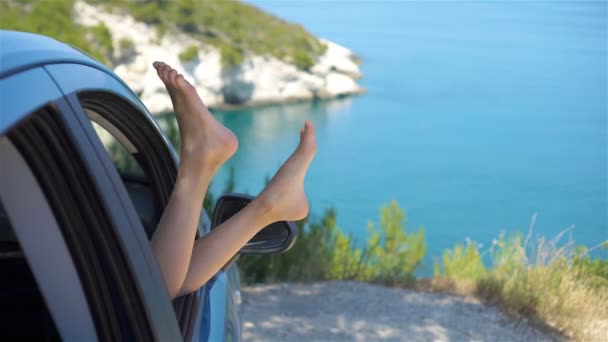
(339, 59)
(259, 80)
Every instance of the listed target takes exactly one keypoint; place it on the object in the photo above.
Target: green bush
(103, 37)
(148, 12)
(126, 43)
(184, 14)
(324, 252)
(392, 255)
(231, 56)
(462, 262)
(302, 60)
(595, 270)
(189, 54)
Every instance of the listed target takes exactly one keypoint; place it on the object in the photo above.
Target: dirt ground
(352, 311)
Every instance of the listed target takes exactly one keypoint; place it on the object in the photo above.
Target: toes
(165, 72)
(171, 75)
(160, 74)
(160, 69)
(185, 87)
(173, 80)
(309, 129)
(158, 65)
(180, 82)
(179, 79)
(307, 137)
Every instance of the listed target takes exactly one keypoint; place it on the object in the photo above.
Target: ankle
(266, 206)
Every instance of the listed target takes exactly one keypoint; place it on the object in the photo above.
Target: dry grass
(555, 303)
(552, 294)
(538, 280)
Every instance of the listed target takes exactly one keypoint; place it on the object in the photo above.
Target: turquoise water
(478, 115)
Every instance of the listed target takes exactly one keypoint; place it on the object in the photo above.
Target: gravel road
(352, 311)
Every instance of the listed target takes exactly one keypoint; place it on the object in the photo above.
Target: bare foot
(284, 197)
(203, 139)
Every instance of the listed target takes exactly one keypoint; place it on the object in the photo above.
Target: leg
(205, 146)
(283, 199)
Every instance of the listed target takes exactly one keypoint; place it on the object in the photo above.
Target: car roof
(21, 50)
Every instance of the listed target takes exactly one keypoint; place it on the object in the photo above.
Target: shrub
(462, 262)
(189, 54)
(231, 56)
(596, 271)
(302, 60)
(554, 282)
(324, 252)
(149, 13)
(392, 255)
(103, 37)
(126, 43)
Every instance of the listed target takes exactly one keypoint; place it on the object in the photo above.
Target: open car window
(145, 167)
(123, 159)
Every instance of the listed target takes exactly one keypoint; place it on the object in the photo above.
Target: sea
(480, 118)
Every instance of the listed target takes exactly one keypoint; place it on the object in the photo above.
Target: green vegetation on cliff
(189, 54)
(233, 27)
(53, 18)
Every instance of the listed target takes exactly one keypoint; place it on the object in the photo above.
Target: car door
(119, 123)
(68, 219)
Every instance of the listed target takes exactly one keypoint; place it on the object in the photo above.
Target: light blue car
(85, 172)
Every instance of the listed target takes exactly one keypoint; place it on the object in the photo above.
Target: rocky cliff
(260, 79)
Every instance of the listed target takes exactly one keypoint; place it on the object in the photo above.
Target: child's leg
(205, 145)
(283, 199)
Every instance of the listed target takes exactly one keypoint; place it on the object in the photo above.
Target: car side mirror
(275, 238)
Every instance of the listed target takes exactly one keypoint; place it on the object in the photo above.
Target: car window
(131, 138)
(124, 156)
(137, 151)
(125, 162)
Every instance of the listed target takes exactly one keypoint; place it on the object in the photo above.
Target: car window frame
(189, 308)
(69, 175)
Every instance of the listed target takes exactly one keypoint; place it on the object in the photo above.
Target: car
(85, 173)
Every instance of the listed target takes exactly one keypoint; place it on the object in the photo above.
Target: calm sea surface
(478, 115)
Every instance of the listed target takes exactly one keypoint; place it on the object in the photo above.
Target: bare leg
(283, 199)
(205, 146)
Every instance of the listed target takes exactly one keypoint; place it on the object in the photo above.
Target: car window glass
(123, 160)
